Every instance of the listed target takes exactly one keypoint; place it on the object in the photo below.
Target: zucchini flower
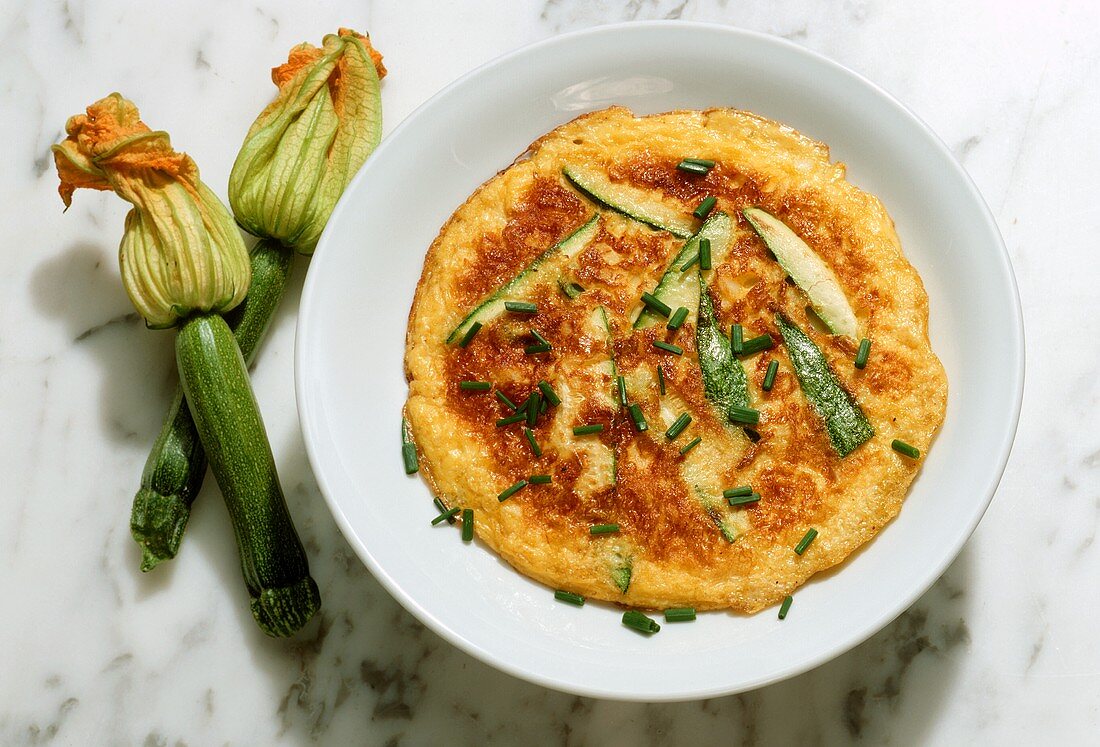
(181, 253)
(305, 147)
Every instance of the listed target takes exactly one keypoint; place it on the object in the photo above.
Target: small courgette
(633, 202)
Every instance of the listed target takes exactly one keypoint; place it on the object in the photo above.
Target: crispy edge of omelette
(899, 328)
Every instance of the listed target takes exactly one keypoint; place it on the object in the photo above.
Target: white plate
(350, 382)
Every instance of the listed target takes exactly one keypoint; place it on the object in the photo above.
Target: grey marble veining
(1000, 650)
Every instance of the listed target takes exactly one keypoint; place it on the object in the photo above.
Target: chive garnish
(638, 621)
(587, 430)
(521, 307)
(785, 607)
(692, 168)
(743, 500)
(467, 524)
(638, 417)
(690, 445)
(678, 426)
(903, 448)
(678, 318)
(656, 305)
(805, 541)
(525, 406)
(620, 383)
(674, 349)
(536, 349)
(542, 405)
(680, 614)
(533, 409)
(704, 208)
(570, 597)
(475, 386)
(542, 340)
(740, 490)
(549, 393)
(661, 378)
(540, 479)
(743, 415)
(518, 417)
(700, 162)
(864, 353)
(769, 377)
(603, 529)
(531, 440)
(408, 455)
(446, 515)
(440, 507)
(737, 339)
(688, 265)
(756, 344)
(704, 254)
(510, 491)
(470, 332)
(504, 399)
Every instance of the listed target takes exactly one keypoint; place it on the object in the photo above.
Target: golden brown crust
(668, 506)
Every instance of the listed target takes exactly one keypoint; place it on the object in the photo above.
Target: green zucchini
(633, 202)
(724, 381)
(847, 426)
(621, 571)
(176, 465)
(807, 270)
(678, 287)
(493, 306)
(215, 381)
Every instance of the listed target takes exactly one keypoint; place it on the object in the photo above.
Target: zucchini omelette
(672, 360)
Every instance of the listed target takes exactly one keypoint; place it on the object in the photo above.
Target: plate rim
(308, 421)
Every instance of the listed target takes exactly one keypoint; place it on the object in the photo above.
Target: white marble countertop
(1000, 650)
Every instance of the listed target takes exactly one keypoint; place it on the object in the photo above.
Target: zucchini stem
(176, 465)
(215, 381)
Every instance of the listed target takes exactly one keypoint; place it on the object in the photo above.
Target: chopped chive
(542, 405)
(525, 406)
(769, 377)
(470, 332)
(864, 353)
(700, 162)
(693, 168)
(678, 318)
(540, 479)
(533, 409)
(570, 597)
(510, 491)
(743, 415)
(674, 349)
(441, 508)
(805, 541)
(785, 607)
(542, 340)
(521, 307)
(408, 455)
(656, 305)
(504, 399)
(704, 208)
(467, 524)
(620, 383)
(531, 440)
(475, 386)
(737, 339)
(517, 418)
(549, 393)
(743, 500)
(903, 448)
(704, 254)
(587, 430)
(688, 265)
(756, 344)
(638, 417)
(661, 378)
(740, 490)
(638, 621)
(678, 426)
(603, 529)
(536, 349)
(680, 614)
(690, 445)
(446, 515)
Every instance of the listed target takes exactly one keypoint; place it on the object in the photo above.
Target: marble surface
(1001, 649)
